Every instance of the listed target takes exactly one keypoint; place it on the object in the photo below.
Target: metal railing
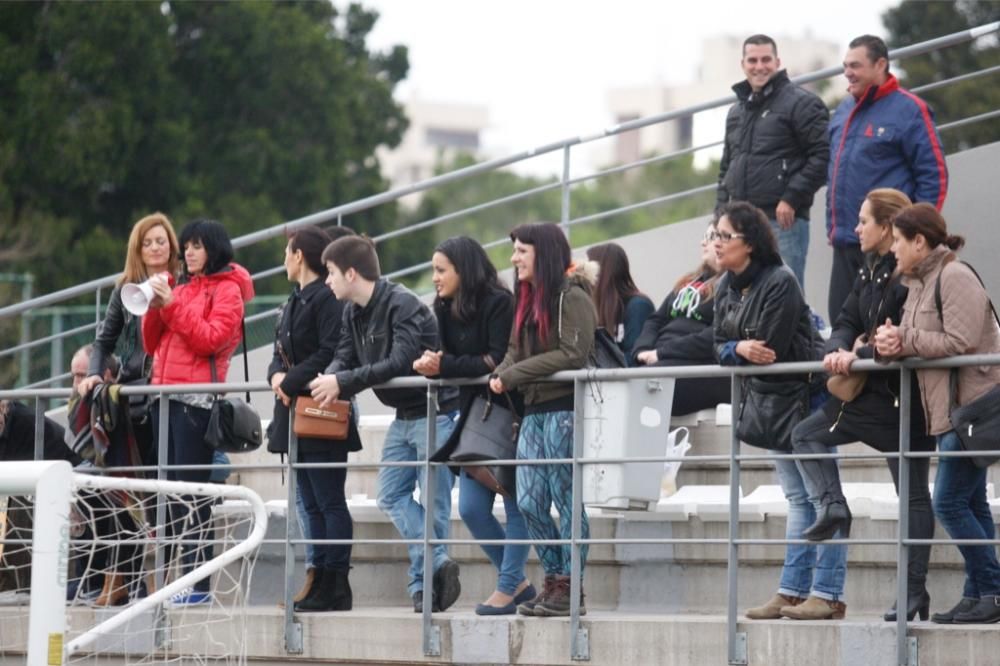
(579, 648)
(565, 183)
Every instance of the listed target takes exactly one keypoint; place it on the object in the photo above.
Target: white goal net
(102, 569)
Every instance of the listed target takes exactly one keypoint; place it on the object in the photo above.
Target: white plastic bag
(677, 445)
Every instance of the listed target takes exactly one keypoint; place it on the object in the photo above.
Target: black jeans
(822, 478)
(693, 394)
(326, 506)
(191, 517)
(847, 261)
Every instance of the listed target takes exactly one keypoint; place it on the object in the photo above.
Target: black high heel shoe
(915, 603)
(832, 517)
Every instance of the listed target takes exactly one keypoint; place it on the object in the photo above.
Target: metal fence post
(564, 214)
(163, 432)
(737, 641)
(579, 636)
(293, 629)
(902, 557)
(431, 632)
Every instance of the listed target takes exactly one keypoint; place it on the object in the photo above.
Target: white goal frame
(53, 484)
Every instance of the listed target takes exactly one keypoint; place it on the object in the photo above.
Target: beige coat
(969, 328)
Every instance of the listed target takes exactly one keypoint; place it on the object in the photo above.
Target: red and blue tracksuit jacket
(886, 138)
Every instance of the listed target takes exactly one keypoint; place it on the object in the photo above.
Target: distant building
(720, 68)
(437, 133)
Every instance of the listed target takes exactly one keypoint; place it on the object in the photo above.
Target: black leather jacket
(135, 362)
(772, 308)
(381, 342)
(776, 147)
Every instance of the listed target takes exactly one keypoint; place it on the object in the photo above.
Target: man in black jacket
(776, 149)
(387, 328)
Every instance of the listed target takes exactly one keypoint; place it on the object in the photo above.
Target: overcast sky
(543, 67)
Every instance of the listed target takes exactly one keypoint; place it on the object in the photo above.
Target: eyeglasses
(723, 236)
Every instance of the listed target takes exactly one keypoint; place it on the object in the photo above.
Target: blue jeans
(303, 518)
(960, 505)
(322, 492)
(475, 505)
(549, 435)
(817, 570)
(407, 441)
(793, 244)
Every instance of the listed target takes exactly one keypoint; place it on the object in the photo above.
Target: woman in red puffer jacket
(189, 329)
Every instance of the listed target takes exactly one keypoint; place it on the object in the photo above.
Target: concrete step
(395, 636)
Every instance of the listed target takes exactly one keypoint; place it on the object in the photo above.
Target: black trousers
(693, 394)
(847, 261)
(813, 435)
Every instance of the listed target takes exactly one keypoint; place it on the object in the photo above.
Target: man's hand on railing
(325, 389)
(839, 362)
(428, 365)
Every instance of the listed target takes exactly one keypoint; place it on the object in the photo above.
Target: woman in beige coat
(962, 322)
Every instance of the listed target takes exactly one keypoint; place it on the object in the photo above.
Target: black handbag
(490, 433)
(234, 425)
(769, 412)
(606, 353)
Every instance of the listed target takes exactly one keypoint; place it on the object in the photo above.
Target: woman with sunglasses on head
(761, 317)
(475, 311)
(681, 333)
(308, 331)
(554, 324)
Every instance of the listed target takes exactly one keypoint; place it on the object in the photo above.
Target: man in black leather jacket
(387, 328)
(776, 149)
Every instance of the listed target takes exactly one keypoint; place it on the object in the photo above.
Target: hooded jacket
(681, 330)
(965, 325)
(885, 138)
(776, 147)
(203, 320)
(568, 347)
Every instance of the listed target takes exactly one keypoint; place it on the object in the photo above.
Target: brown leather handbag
(330, 422)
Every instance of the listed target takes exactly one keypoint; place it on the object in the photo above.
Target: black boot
(320, 597)
(343, 598)
(917, 601)
(832, 517)
(964, 605)
(986, 611)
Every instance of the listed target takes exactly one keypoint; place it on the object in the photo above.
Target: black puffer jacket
(305, 341)
(381, 341)
(776, 147)
(123, 330)
(878, 294)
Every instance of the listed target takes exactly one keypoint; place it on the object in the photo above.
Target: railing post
(25, 370)
(56, 356)
(293, 629)
(903, 550)
(578, 636)
(163, 432)
(564, 213)
(431, 632)
(737, 641)
(39, 430)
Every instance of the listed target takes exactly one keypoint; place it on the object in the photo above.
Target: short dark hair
(353, 251)
(924, 219)
(875, 48)
(477, 276)
(214, 238)
(311, 241)
(751, 221)
(759, 40)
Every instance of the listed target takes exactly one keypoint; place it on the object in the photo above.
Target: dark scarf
(746, 278)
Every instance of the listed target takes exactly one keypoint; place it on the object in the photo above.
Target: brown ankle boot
(114, 592)
(815, 608)
(528, 607)
(772, 609)
(306, 586)
(557, 603)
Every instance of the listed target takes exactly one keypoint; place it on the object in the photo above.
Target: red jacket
(203, 319)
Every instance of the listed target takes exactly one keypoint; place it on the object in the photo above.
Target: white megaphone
(136, 297)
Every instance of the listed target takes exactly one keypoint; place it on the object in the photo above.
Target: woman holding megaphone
(152, 249)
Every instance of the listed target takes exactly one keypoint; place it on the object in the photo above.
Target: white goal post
(55, 489)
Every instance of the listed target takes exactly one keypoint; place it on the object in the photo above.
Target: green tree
(913, 22)
(249, 112)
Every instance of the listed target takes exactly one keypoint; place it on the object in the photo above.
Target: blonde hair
(135, 269)
(885, 203)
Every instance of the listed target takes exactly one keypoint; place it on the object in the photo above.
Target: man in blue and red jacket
(880, 136)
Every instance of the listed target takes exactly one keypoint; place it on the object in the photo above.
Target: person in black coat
(309, 329)
(475, 312)
(681, 333)
(873, 416)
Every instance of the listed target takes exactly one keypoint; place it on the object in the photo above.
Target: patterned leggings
(548, 435)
